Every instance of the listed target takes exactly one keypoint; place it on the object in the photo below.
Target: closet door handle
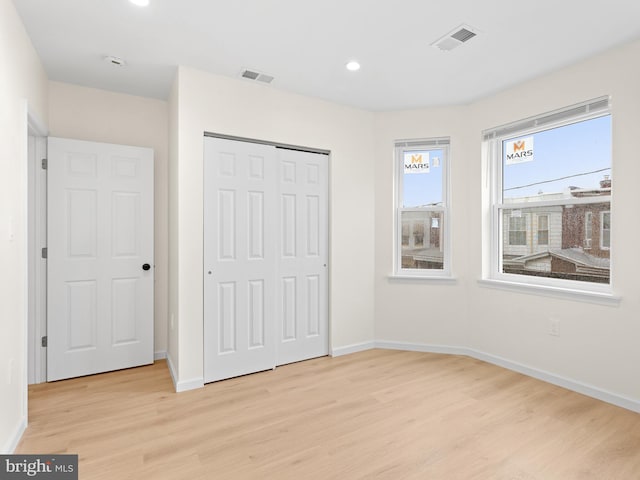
(146, 267)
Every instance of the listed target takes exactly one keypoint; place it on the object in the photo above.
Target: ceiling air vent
(257, 76)
(455, 38)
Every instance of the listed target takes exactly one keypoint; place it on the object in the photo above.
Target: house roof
(433, 254)
(576, 256)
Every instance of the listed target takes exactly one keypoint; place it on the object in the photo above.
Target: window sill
(423, 278)
(601, 298)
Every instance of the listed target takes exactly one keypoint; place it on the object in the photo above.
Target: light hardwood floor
(376, 414)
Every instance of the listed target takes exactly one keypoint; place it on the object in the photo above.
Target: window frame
(493, 157)
(426, 144)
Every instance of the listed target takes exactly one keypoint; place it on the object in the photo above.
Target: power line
(556, 179)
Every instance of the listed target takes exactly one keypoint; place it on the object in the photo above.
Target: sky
(424, 189)
(566, 151)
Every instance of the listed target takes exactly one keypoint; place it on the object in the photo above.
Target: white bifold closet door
(265, 257)
(239, 258)
(302, 308)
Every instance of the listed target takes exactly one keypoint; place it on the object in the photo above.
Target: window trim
(566, 292)
(492, 153)
(435, 143)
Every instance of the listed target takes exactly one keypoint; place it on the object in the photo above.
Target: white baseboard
(172, 371)
(184, 385)
(416, 347)
(12, 442)
(160, 355)
(569, 384)
(356, 347)
(191, 384)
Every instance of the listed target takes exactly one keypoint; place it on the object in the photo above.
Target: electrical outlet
(554, 327)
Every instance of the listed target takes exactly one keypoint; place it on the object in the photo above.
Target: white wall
(598, 344)
(22, 82)
(173, 333)
(410, 310)
(100, 116)
(235, 107)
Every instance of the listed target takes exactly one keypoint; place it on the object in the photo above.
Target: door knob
(146, 267)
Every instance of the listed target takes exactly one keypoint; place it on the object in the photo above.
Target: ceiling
(305, 45)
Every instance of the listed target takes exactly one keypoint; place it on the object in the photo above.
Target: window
(517, 228)
(550, 183)
(543, 229)
(588, 230)
(605, 230)
(422, 218)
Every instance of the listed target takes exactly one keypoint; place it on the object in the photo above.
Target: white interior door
(302, 256)
(100, 257)
(239, 258)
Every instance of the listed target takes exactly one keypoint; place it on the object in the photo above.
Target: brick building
(569, 240)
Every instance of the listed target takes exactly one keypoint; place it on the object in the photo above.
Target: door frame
(301, 148)
(36, 240)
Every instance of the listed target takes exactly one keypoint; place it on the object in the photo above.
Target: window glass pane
(572, 159)
(606, 229)
(422, 240)
(588, 230)
(560, 179)
(557, 251)
(543, 229)
(517, 228)
(422, 168)
(422, 178)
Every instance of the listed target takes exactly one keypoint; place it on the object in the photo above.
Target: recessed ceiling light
(353, 66)
(140, 3)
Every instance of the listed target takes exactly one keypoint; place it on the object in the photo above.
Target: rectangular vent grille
(463, 35)
(250, 75)
(257, 76)
(455, 38)
(265, 78)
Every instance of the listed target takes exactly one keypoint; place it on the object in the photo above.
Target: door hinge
(44, 252)
(44, 163)
(44, 341)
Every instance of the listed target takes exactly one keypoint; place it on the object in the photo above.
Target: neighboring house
(588, 226)
(422, 240)
(531, 231)
(570, 241)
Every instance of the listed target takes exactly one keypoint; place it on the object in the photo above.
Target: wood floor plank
(378, 414)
